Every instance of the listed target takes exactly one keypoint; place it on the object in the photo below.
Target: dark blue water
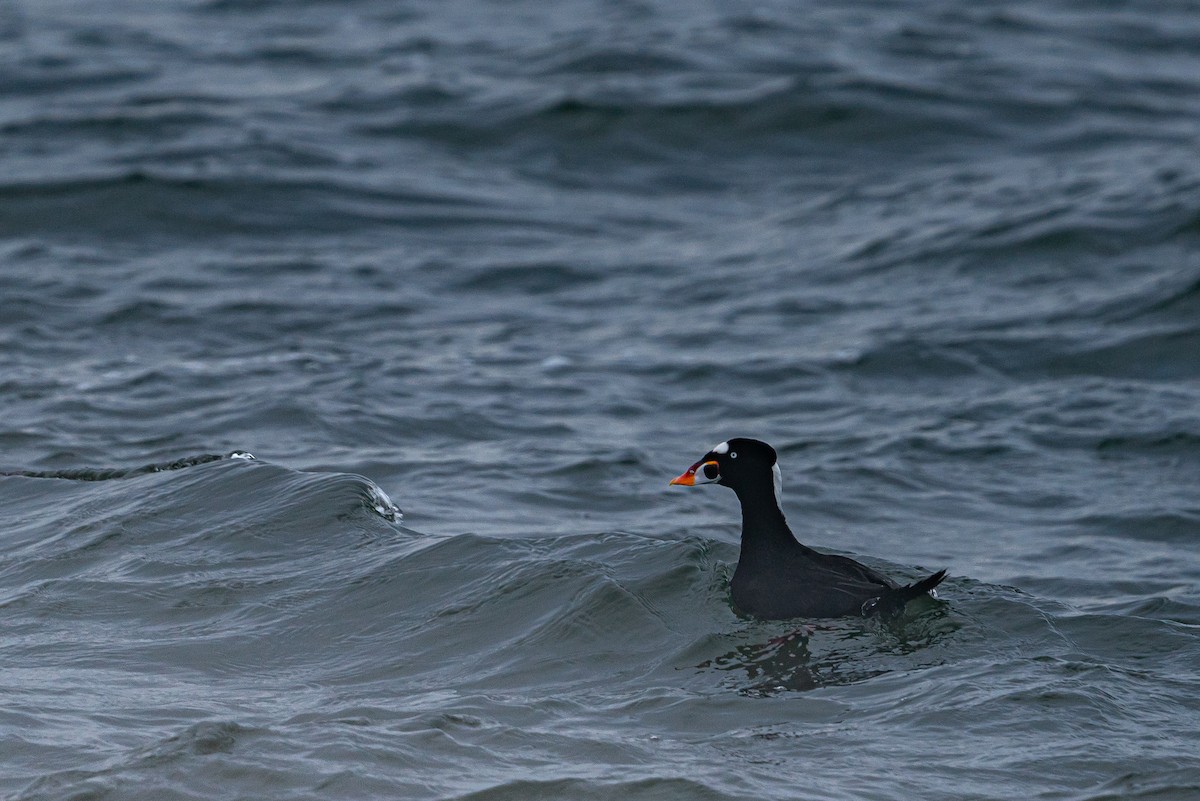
(513, 266)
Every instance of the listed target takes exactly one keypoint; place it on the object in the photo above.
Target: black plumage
(777, 577)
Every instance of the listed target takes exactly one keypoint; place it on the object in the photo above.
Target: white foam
(383, 505)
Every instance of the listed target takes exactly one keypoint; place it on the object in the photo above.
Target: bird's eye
(711, 471)
(733, 455)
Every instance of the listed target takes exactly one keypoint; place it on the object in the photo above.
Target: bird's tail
(892, 603)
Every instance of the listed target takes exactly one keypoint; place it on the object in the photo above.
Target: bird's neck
(765, 530)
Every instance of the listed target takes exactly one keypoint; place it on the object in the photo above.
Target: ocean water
(510, 267)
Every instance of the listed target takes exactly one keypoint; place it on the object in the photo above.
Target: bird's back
(802, 582)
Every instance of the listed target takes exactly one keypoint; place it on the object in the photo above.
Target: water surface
(511, 267)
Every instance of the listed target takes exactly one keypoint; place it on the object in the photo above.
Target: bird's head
(738, 464)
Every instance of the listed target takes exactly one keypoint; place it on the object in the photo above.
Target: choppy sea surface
(510, 267)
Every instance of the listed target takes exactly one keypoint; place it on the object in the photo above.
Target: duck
(777, 577)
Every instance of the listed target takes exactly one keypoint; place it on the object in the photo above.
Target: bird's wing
(842, 570)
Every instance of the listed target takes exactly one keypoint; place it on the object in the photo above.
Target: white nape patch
(722, 448)
(778, 474)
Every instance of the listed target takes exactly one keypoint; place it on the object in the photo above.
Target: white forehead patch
(722, 449)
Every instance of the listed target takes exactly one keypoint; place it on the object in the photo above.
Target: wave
(235, 579)
(253, 201)
(107, 474)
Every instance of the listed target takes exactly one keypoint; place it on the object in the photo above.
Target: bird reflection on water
(810, 657)
(779, 664)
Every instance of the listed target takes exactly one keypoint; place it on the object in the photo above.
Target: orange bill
(688, 479)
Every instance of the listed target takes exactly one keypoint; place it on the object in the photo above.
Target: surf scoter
(776, 576)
